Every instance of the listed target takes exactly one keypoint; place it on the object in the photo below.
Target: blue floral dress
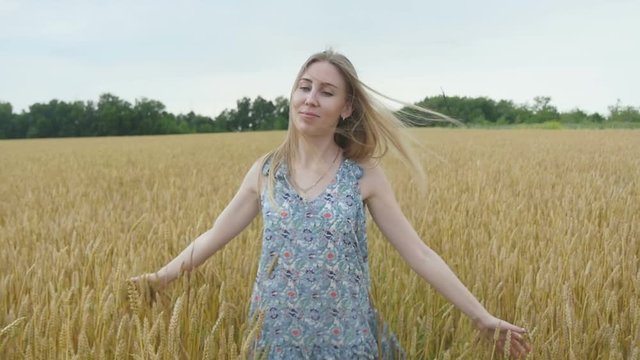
(313, 278)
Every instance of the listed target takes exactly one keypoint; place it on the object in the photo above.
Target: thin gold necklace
(305, 190)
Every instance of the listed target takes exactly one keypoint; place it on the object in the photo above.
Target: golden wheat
(543, 226)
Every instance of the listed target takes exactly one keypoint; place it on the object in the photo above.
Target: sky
(203, 56)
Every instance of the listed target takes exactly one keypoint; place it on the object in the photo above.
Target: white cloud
(203, 56)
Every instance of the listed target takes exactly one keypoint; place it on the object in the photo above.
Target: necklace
(306, 189)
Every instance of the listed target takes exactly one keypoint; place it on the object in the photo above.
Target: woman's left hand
(506, 336)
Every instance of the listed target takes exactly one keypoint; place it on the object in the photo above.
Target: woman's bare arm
(238, 214)
(386, 213)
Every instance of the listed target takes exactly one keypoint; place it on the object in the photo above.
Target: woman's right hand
(152, 279)
(150, 284)
(506, 336)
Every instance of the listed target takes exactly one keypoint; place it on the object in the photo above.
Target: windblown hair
(367, 134)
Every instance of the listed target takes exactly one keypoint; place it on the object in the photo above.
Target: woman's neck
(316, 152)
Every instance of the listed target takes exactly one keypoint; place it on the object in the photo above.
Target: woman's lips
(308, 114)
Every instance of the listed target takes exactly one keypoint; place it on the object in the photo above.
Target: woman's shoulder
(259, 168)
(266, 164)
(371, 178)
(263, 163)
(369, 167)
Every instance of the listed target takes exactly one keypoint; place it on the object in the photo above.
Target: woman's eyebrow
(321, 83)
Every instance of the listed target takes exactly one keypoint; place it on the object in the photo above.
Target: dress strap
(266, 168)
(266, 165)
(354, 169)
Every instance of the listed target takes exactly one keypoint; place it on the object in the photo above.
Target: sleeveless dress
(312, 283)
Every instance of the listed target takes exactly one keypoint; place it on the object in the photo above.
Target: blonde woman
(313, 278)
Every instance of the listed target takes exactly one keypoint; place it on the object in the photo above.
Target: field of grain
(542, 226)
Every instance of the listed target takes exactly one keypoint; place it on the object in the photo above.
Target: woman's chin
(306, 128)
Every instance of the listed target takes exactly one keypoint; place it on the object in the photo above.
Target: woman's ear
(347, 110)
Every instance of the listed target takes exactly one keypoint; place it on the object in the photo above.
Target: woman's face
(319, 100)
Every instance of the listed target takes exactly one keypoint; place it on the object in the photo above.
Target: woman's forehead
(324, 73)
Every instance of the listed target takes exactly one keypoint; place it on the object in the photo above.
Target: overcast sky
(202, 56)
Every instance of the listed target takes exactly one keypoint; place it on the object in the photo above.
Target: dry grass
(543, 226)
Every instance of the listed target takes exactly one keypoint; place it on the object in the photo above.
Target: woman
(312, 286)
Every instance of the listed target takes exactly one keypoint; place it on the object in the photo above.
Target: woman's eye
(305, 88)
(326, 93)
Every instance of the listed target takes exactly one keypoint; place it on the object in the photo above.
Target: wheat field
(542, 226)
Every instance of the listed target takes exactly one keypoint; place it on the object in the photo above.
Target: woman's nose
(311, 98)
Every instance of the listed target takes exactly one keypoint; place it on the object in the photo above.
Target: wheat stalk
(174, 329)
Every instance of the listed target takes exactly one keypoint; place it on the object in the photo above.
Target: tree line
(486, 111)
(113, 116)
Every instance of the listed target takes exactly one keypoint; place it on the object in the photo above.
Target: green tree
(507, 112)
(543, 110)
(596, 117)
(192, 122)
(6, 120)
(262, 114)
(71, 116)
(113, 116)
(227, 120)
(243, 115)
(575, 116)
(87, 123)
(281, 113)
(54, 119)
(147, 117)
(623, 113)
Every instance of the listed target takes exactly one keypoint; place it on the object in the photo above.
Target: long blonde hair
(367, 134)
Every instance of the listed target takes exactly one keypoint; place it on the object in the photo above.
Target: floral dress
(312, 283)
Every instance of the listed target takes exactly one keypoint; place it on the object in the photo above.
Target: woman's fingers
(517, 342)
(514, 329)
(507, 338)
(517, 349)
(147, 278)
(139, 278)
(149, 286)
